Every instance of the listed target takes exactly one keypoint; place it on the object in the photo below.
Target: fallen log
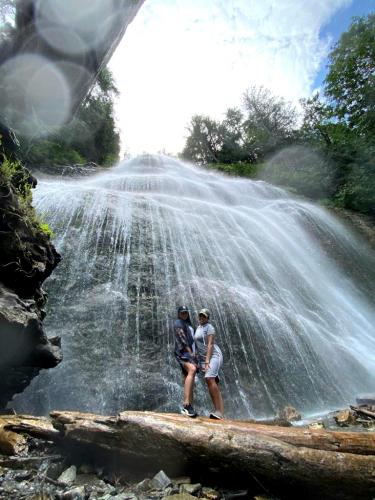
(363, 411)
(12, 427)
(307, 461)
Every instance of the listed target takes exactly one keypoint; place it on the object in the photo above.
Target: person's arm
(210, 348)
(182, 341)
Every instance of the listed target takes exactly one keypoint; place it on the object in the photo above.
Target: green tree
(350, 83)
(204, 141)
(270, 121)
(232, 130)
(90, 136)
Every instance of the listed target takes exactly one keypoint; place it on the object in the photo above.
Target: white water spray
(288, 286)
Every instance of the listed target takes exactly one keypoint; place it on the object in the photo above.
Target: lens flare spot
(41, 92)
(76, 30)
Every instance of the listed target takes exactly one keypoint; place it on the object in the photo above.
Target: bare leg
(189, 383)
(215, 394)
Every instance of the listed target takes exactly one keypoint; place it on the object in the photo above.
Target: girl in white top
(210, 360)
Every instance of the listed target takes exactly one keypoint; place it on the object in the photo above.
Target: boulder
(161, 481)
(68, 476)
(344, 418)
(290, 414)
(192, 489)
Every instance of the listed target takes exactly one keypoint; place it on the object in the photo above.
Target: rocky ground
(45, 474)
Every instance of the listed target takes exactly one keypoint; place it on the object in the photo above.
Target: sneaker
(216, 415)
(189, 411)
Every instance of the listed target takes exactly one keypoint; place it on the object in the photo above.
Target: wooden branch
(363, 411)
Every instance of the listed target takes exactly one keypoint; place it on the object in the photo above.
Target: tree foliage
(90, 136)
(331, 155)
(247, 135)
(270, 121)
(350, 83)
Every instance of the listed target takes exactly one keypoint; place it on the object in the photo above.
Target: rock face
(27, 258)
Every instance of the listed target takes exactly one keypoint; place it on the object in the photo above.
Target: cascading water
(289, 288)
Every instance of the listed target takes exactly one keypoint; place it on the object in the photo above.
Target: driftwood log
(12, 428)
(312, 462)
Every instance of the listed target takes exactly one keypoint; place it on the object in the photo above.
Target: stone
(368, 424)
(290, 414)
(180, 496)
(210, 493)
(316, 425)
(68, 476)
(124, 496)
(161, 481)
(181, 480)
(77, 493)
(344, 418)
(91, 480)
(145, 485)
(190, 488)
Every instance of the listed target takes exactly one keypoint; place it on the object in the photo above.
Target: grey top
(201, 341)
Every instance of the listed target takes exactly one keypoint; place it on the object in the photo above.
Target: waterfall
(289, 287)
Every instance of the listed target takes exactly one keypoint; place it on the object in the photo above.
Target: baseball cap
(205, 312)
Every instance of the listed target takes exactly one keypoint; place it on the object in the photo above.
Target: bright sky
(179, 58)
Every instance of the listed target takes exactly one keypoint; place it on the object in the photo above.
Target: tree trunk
(335, 464)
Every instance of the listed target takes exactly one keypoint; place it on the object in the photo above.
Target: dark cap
(182, 309)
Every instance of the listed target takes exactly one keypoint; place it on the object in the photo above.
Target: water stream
(291, 291)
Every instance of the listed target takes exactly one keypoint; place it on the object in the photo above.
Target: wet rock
(77, 493)
(54, 470)
(289, 413)
(124, 496)
(192, 489)
(344, 418)
(368, 424)
(22, 475)
(68, 476)
(99, 487)
(180, 496)
(145, 485)
(161, 481)
(316, 425)
(210, 494)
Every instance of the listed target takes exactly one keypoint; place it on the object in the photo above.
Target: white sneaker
(216, 415)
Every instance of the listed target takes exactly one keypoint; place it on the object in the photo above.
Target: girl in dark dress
(185, 354)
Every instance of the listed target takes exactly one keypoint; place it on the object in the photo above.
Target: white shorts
(216, 362)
